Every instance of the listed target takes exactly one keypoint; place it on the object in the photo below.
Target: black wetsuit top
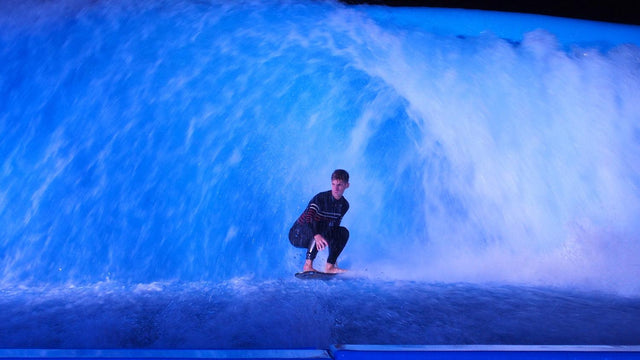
(323, 213)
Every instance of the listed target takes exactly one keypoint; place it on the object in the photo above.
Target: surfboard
(317, 275)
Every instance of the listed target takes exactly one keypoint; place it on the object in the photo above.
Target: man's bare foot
(308, 266)
(334, 269)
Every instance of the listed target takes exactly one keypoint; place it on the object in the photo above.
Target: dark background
(617, 11)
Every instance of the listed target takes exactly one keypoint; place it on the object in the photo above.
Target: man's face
(337, 188)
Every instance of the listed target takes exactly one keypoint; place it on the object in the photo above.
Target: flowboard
(315, 275)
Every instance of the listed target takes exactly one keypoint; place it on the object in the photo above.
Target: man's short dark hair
(341, 175)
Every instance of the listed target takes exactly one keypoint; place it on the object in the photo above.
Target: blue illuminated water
(153, 156)
(294, 314)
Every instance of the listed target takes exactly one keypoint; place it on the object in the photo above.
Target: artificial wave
(155, 144)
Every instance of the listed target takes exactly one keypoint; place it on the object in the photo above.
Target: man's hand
(321, 243)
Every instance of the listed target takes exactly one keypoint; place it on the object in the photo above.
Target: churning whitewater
(158, 141)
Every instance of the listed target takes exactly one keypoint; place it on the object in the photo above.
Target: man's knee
(300, 237)
(344, 233)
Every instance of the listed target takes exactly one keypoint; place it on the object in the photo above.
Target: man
(319, 225)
